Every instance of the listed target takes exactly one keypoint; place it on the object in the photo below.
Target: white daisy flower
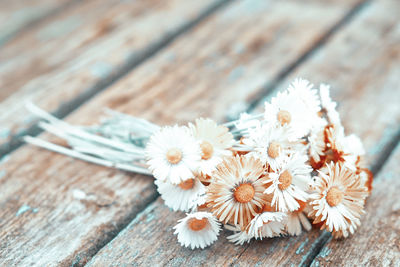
(236, 190)
(339, 200)
(304, 90)
(269, 144)
(289, 109)
(197, 230)
(328, 105)
(215, 142)
(297, 220)
(173, 154)
(184, 197)
(267, 224)
(289, 183)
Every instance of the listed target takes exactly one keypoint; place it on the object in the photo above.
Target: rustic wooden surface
(142, 237)
(16, 15)
(66, 59)
(60, 211)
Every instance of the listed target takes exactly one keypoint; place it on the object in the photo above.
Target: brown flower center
(207, 150)
(196, 224)
(285, 180)
(174, 155)
(274, 149)
(334, 196)
(244, 193)
(284, 117)
(187, 184)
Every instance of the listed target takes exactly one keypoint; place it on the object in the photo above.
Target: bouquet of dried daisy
(261, 176)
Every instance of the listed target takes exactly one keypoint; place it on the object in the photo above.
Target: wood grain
(56, 210)
(142, 237)
(377, 242)
(18, 14)
(66, 59)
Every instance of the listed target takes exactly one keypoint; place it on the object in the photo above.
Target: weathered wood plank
(377, 241)
(65, 59)
(368, 72)
(65, 193)
(143, 238)
(17, 14)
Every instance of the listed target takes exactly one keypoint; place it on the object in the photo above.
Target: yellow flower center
(274, 149)
(244, 193)
(207, 150)
(284, 117)
(285, 180)
(174, 155)
(186, 185)
(196, 224)
(334, 196)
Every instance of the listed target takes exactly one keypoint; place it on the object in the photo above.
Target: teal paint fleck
(324, 252)
(315, 263)
(301, 247)
(239, 48)
(101, 69)
(388, 176)
(24, 208)
(4, 159)
(236, 73)
(2, 173)
(150, 217)
(5, 133)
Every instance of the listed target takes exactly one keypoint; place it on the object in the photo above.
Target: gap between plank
(133, 61)
(121, 225)
(307, 54)
(30, 24)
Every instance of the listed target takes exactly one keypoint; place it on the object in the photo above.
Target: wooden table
(172, 61)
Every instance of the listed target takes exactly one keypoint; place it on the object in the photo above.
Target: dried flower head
(288, 184)
(182, 197)
(197, 230)
(269, 144)
(236, 190)
(173, 154)
(215, 143)
(339, 199)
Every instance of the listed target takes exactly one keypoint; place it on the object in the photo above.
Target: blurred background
(170, 61)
